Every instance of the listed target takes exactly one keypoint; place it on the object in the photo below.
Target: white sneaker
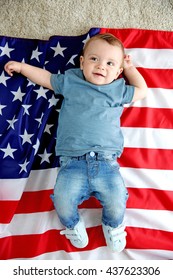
(77, 236)
(115, 237)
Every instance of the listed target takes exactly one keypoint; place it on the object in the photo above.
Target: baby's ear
(118, 72)
(81, 62)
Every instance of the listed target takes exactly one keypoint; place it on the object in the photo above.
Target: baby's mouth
(98, 74)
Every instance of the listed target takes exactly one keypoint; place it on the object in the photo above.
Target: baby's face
(101, 63)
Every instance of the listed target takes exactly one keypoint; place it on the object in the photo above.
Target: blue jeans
(90, 175)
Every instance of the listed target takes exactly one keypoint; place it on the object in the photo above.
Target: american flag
(29, 226)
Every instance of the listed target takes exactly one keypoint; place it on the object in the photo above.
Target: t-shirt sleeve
(57, 82)
(128, 94)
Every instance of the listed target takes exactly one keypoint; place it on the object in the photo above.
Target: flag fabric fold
(29, 226)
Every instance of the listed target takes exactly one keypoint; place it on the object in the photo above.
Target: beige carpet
(44, 18)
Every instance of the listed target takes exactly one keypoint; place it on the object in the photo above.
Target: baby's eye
(94, 58)
(110, 63)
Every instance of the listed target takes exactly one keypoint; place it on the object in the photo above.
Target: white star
(87, 38)
(72, 59)
(26, 137)
(26, 107)
(52, 101)
(36, 146)
(41, 92)
(18, 95)
(30, 83)
(45, 156)
(8, 151)
(47, 129)
(40, 120)
(35, 54)
(47, 61)
(2, 107)
(12, 122)
(58, 50)
(3, 79)
(23, 166)
(6, 50)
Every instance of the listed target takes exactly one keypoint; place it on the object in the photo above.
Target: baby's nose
(100, 66)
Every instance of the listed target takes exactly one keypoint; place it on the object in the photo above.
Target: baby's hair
(109, 38)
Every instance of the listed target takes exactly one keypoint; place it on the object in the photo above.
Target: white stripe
(145, 254)
(38, 223)
(156, 98)
(4, 230)
(152, 58)
(151, 138)
(41, 179)
(148, 178)
(149, 219)
(103, 253)
(45, 179)
(12, 189)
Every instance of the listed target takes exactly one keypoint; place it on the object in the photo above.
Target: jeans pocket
(64, 161)
(113, 164)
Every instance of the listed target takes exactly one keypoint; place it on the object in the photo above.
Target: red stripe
(41, 201)
(141, 238)
(158, 78)
(132, 157)
(36, 244)
(35, 202)
(141, 198)
(147, 117)
(146, 198)
(8, 209)
(150, 199)
(28, 246)
(140, 38)
(147, 158)
(91, 203)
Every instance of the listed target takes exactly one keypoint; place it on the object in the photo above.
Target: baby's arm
(35, 74)
(135, 79)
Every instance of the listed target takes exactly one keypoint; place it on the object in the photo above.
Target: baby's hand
(127, 61)
(13, 66)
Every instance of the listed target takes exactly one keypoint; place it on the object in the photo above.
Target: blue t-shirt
(89, 118)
